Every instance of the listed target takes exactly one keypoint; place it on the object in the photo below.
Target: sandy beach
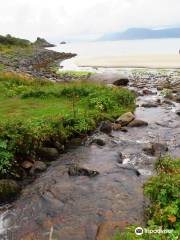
(136, 61)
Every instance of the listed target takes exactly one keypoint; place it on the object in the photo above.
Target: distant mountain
(142, 33)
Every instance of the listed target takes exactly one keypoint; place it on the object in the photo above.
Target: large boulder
(48, 153)
(106, 127)
(125, 119)
(8, 189)
(137, 123)
(121, 82)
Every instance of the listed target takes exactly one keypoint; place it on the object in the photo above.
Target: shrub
(5, 158)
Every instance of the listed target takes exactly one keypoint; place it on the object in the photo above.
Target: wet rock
(178, 112)
(60, 147)
(8, 189)
(106, 127)
(137, 123)
(26, 165)
(116, 126)
(159, 88)
(38, 167)
(120, 158)
(123, 129)
(121, 82)
(148, 92)
(149, 105)
(79, 171)
(168, 102)
(125, 119)
(156, 149)
(98, 141)
(48, 153)
(176, 98)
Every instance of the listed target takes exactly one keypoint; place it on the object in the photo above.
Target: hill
(142, 33)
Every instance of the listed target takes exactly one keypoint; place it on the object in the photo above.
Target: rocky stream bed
(97, 186)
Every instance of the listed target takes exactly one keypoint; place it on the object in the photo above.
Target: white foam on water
(2, 223)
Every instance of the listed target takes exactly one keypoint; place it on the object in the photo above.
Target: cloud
(57, 19)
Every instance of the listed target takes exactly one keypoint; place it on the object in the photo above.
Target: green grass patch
(34, 112)
(74, 74)
(2, 67)
(164, 213)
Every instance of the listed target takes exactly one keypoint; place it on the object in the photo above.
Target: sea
(108, 49)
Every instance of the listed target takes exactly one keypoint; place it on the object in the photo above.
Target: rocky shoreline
(35, 61)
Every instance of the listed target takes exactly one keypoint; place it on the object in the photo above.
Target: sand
(143, 61)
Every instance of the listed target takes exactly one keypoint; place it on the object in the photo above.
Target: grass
(2, 67)
(164, 213)
(34, 112)
(74, 74)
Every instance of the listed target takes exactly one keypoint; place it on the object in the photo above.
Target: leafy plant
(5, 158)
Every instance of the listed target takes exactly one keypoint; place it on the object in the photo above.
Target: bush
(164, 192)
(9, 40)
(5, 158)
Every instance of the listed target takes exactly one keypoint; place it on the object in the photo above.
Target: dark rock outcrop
(121, 82)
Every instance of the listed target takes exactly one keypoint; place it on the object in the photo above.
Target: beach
(134, 61)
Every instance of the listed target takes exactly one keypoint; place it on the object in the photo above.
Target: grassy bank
(36, 113)
(164, 213)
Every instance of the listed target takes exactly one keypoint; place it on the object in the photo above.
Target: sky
(58, 20)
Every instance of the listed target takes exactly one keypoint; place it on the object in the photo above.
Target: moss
(8, 189)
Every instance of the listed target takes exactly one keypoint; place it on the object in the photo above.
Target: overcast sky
(62, 19)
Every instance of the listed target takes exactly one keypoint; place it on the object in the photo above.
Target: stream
(57, 206)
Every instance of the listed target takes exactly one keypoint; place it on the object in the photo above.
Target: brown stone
(125, 119)
(116, 126)
(137, 123)
(26, 165)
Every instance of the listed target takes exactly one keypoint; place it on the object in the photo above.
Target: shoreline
(136, 61)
